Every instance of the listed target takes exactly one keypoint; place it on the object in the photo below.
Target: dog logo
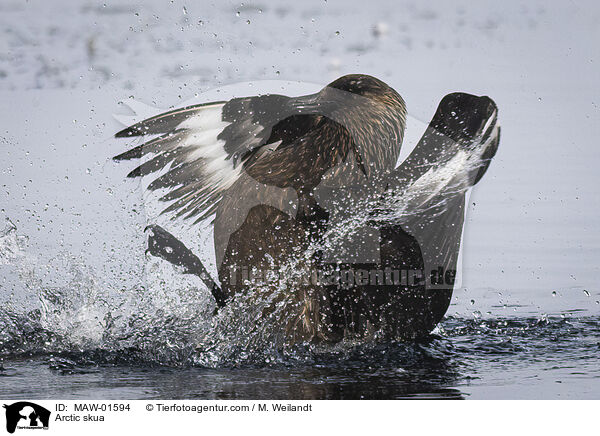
(26, 415)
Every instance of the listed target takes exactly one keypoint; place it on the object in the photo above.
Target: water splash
(11, 244)
(161, 322)
(166, 322)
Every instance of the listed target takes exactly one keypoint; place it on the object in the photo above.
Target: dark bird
(305, 185)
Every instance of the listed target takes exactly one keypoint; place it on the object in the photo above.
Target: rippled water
(165, 343)
(149, 343)
(499, 358)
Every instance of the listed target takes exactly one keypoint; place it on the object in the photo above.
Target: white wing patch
(217, 169)
(209, 118)
(189, 161)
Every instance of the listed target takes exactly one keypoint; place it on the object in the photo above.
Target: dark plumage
(280, 173)
(277, 140)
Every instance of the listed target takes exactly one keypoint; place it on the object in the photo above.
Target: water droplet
(554, 293)
(472, 302)
(587, 294)
(337, 32)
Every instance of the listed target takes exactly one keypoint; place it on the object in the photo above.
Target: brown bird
(283, 174)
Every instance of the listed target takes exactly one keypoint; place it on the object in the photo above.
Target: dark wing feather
(204, 147)
(164, 122)
(432, 183)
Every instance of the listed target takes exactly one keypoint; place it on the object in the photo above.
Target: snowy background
(531, 241)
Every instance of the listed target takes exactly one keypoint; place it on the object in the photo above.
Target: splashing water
(100, 336)
(157, 324)
(11, 245)
(164, 322)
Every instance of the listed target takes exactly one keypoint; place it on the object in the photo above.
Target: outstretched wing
(205, 147)
(432, 184)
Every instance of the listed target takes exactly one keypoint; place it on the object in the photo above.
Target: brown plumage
(264, 174)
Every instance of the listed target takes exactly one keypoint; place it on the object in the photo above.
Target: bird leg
(166, 246)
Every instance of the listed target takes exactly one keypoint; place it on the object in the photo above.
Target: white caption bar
(159, 417)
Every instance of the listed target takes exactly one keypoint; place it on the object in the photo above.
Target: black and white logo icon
(26, 415)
